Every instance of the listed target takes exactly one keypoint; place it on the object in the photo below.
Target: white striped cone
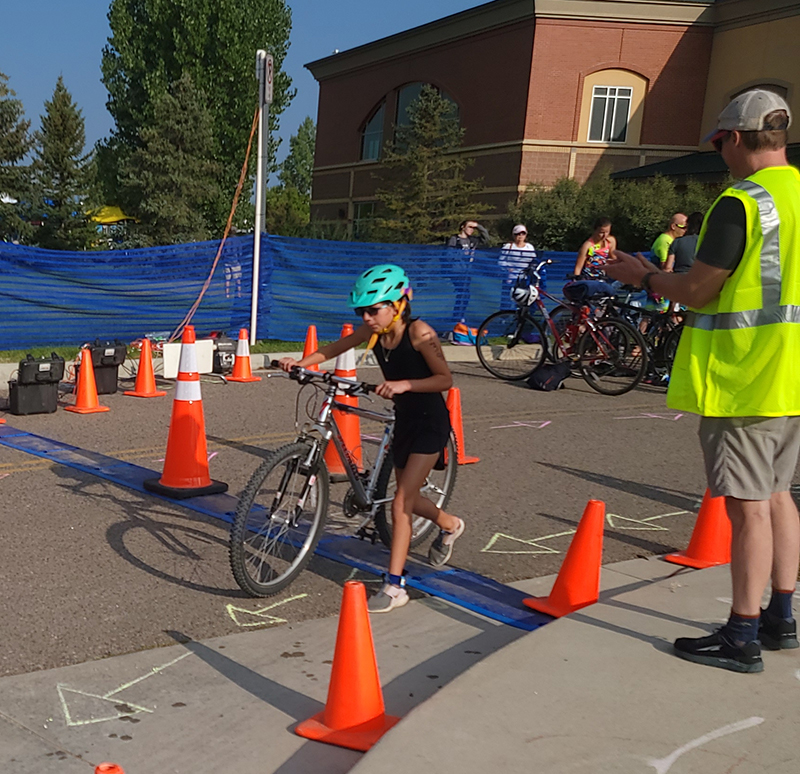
(186, 461)
(349, 424)
(241, 365)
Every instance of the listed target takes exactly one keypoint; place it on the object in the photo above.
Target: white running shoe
(387, 599)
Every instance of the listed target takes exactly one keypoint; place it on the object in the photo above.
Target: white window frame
(610, 112)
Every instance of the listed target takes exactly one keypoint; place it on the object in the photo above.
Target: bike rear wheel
(511, 344)
(279, 520)
(438, 488)
(612, 358)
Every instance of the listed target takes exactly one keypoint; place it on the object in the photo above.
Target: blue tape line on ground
(463, 588)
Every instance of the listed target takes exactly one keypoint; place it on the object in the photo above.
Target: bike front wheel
(612, 357)
(437, 488)
(511, 344)
(279, 520)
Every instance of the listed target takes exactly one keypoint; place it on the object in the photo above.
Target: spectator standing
(681, 252)
(595, 251)
(660, 248)
(471, 234)
(736, 367)
(514, 258)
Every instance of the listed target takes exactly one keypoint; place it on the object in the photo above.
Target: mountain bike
(283, 510)
(607, 351)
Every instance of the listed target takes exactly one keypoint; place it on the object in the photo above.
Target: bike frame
(327, 430)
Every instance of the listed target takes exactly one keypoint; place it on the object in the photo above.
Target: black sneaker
(777, 633)
(717, 650)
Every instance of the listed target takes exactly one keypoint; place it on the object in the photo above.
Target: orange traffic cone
(311, 345)
(456, 420)
(349, 424)
(86, 402)
(354, 715)
(186, 462)
(241, 364)
(145, 386)
(2, 421)
(108, 768)
(710, 544)
(578, 581)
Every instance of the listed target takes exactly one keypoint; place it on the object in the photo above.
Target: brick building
(548, 88)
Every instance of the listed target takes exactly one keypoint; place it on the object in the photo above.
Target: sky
(66, 37)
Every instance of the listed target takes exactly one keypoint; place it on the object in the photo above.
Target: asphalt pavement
(91, 569)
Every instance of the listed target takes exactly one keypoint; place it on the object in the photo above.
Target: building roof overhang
(701, 166)
(501, 13)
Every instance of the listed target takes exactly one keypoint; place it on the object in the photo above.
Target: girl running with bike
(416, 373)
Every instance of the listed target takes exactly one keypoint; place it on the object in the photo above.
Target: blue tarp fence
(51, 297)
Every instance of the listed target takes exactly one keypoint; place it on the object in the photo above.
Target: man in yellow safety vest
(736, 366)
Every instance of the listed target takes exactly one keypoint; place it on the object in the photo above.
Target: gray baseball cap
(746, 113)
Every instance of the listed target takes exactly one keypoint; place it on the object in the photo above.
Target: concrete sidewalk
(598, 691)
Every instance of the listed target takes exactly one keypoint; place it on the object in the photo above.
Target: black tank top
(404, 362)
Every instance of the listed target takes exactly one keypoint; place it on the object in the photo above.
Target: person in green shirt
(675, 229)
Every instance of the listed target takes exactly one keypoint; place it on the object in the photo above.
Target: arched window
(611, 109)
(775, 88)
(372, 135)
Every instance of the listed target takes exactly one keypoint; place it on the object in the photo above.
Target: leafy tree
(298, 166)
(562, 217)
(427, 194)
(288, 211)
(154, 42)
(15, 142)
(61, 175)
(171, 182)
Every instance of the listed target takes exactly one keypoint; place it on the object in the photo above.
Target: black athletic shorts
(422, 434)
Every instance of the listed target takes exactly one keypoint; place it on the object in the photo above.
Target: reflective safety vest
(739, 355)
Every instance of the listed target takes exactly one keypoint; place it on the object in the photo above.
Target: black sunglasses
(370, 310)
(718, 142)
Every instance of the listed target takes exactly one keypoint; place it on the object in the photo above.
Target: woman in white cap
(515, 257)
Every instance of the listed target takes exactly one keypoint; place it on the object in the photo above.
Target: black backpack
(549, 377)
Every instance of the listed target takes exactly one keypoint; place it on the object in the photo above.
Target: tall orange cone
(457, 421)
(349, 424)
(578, 581)
(241, 364)
(86, 402)
(186, 463)
(311, 345)
(354, 714)
(108, 768)
(145, 386)
(710, 544)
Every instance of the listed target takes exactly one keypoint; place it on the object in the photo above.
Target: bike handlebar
(305, 376)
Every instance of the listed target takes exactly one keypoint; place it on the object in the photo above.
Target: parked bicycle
(608, 352)
(283, 510)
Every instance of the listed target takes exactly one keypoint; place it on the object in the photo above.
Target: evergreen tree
(154, 42)
(298, 166)
(171, 183)
(61, 176)
(427, 195)
(15, 142)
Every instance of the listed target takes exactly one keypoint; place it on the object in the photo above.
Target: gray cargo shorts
(749, 458)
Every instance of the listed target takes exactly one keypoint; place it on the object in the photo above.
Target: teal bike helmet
(385, 282)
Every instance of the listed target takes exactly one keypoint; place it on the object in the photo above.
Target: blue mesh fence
(68, 298)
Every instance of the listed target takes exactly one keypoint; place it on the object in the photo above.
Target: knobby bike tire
(260, 533)
(421, 528)
(511, 344)
(617, 361)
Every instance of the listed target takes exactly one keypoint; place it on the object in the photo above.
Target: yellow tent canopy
(109, 215)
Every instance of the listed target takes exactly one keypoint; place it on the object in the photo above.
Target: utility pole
(264, 73)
